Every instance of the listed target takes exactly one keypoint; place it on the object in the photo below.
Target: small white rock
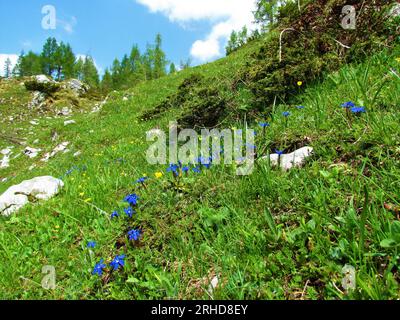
(68, 122)
(60, 148)
(31, 152)
(291, 160)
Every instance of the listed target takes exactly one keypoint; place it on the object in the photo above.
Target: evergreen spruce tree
(7, 68)
(107, 82)
(90, 73)
(48, 56)
(172, 68)
(160, 61)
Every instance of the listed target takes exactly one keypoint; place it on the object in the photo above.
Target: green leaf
(388, 243)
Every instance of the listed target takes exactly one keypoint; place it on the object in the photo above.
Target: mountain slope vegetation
(270, 235)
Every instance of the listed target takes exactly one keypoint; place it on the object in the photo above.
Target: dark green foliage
(185, 90)
(207, 108)
(199, 104)
(47, 88)
(315, 46)
(28, 65)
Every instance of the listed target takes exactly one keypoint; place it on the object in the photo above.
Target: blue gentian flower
(141, 180)
(129, 212)
(98, 268)
(207, 165)
(196, 170)
(114, 215)
(132, 199)
(286, 114)
(91, 244)
(264, 124)
(134, 234)
(185, 169)
(279, 152)
(348, 104)
(119, 261)
(358, 110)
(173, 168)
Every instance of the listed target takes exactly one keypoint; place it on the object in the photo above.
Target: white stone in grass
(31, 152)
(40, 188)
(395, 11)
(5, 162)
(68, 122)
(291, 160)
(62, 147)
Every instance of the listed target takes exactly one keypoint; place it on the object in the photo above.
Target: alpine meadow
(270, 172)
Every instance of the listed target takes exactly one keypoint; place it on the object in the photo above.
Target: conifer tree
(107, 81)
(160, 61)
(172, 68)
(7, 68)
(90, 73)
(48, 56)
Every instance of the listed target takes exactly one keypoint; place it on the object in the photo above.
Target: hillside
(211, 234)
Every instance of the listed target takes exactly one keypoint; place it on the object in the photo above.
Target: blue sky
(107, 29)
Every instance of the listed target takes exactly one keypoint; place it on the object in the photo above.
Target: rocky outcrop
(76, 86)
(40, 188)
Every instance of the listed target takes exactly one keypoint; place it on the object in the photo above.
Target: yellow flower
(300, 83)
(158, 175)
(398, 59)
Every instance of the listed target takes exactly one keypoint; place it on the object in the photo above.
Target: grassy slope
(221, 224)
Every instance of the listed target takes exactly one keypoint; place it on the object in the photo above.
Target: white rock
(34, 123)
(68, 122)
(64, 112)
(5, 162)
(37, 101)
(31, 152)
(77, 154)
(213, 285)
(77, 86)
(395, 10)
(41, 188)
(60, 148)
(6, 151)
(291, 160)
(43, 79)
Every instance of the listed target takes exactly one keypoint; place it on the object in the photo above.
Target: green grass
(270, 235)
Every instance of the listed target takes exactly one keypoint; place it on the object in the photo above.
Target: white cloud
(3, 57)
(225, 16)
